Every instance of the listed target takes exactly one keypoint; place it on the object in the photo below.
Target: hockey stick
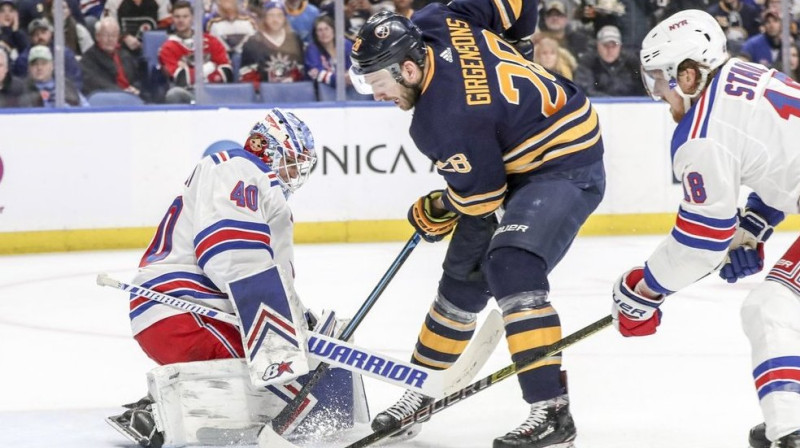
(284, 418)
(434, 383)
(181, 304)
(424, 414)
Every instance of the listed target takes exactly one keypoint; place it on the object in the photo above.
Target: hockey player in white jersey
(226, 242)
(738, 125)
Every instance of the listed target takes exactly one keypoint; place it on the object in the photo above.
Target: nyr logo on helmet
(675, 26)
(382, 32)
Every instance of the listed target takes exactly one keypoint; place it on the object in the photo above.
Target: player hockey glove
(432, 225)
(633, 312)
(746, 251)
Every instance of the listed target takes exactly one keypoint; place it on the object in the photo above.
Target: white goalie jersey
(231, 220)
(743, 130)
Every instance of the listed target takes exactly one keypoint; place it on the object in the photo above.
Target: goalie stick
(434, 383)
(284, 418)
(424, 414)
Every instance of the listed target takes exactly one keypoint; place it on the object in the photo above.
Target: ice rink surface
(68, 359)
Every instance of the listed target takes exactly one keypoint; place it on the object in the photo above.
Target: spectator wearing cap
(609, 72)
(595, 14)
(76, 36)
(40, 86)
(275, 53)
(109, 67)
(11, 87)
(176, 56)
(765, 48)
(138, 16)
(556, 25)
(41, 33)
(12, 38)
(738, 19)
(301, 15)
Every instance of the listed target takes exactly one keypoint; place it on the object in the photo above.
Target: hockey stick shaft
(282, 421)
(185, 305)
(424, 414)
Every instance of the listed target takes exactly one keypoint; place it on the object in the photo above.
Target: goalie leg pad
(771, 320)
(273, 333)
(214, 403)
(444, 335)
(531, 324)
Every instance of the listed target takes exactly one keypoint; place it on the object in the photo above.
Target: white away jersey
(231, 220)
(744, 130)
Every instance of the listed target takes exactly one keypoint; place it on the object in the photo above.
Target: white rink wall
(120, 169)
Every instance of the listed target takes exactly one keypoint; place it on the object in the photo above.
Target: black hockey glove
(524, 46)
(432, 225)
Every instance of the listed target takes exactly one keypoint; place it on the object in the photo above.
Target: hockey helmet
(691, 34)
(285, 143)
(384, 42)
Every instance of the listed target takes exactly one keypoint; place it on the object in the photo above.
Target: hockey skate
(407, 405)
(758, 438)
(137, 424)
(549, 425)
(788, 441)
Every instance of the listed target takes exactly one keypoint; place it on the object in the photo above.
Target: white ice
(68, 359)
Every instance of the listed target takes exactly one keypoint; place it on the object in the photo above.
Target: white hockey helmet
(691, 34)
(285, 143)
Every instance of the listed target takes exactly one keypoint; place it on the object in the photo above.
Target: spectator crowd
(145, 48)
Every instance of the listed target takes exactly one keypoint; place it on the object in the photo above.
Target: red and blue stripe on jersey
(229, 234)
(695, 123)
(781, 374)
(176, 284)
(701, 232)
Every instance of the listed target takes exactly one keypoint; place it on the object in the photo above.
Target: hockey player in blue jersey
(737, 126)
(521, 153)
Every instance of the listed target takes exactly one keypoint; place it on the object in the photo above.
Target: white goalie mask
(692, 34)
(285, 143)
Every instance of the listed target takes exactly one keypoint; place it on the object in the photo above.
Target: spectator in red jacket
(176, 57)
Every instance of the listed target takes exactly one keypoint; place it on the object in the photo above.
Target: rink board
(95, 180)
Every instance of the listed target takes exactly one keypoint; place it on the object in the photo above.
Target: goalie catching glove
(431, 222)
(634, 312)
(746, 251)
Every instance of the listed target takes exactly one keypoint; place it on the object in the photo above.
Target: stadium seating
(236, 93)
(287, 92)
(100, 99)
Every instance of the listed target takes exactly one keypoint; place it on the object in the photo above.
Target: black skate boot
(549, 425)
(137, 424)
(407, 405)
(788, 441)
(758, 436)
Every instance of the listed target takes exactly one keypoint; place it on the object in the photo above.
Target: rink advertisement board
(111, 175)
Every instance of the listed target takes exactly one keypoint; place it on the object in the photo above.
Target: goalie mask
(688, 35)
(382, 45)
(284, 142)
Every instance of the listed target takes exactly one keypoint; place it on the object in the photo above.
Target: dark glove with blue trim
(524, 46)
(746, 251)
(432, 223)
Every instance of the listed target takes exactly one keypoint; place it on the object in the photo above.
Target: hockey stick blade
(433, 383)
(424, 414)
(284, 419)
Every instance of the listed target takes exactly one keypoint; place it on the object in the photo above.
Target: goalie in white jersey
(738, 125)
(226, 242)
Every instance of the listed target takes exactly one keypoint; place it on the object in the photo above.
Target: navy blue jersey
(486, 115)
